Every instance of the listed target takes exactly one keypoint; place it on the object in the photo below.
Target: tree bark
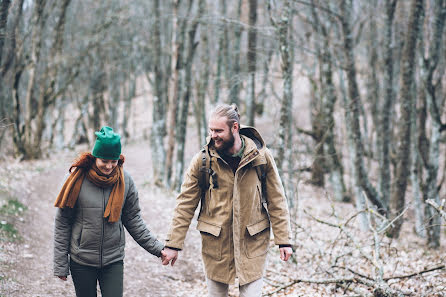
(251, 61)
(373, 84)
(38, 21)
(354, 105)
(159, 102)
(283, 33)
(236, 81)
(202, 88)
(4, 8)
(384, 128)
(181, 137)
(435, 105)
(397, 201)
(128, 97)
(222, 52)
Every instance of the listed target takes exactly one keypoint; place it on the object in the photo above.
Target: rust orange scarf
(72, 186)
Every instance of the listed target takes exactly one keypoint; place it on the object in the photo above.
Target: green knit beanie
(107, 145)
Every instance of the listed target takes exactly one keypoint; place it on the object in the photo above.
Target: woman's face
(106, 166)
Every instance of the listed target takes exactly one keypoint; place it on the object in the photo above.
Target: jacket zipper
(102, 231)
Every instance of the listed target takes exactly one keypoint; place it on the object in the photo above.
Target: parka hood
(252, 133)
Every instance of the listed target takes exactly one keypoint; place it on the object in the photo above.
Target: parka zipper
(102, 231)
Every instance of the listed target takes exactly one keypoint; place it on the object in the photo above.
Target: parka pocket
(210, 239)
(90, 239)
(76, 235)
(257, 238)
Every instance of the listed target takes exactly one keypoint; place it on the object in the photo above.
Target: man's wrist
(284, 245)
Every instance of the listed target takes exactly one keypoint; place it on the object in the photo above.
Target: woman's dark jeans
(110, 279)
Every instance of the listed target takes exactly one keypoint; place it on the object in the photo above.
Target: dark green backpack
(207, 174)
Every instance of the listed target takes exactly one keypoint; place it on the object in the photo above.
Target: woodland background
(349, 96)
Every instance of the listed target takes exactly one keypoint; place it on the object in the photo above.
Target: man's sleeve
(187, 202)
(277, 204)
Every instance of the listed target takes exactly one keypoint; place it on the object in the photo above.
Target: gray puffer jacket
(89, 239)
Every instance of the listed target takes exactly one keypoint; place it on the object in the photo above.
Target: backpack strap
(205, 171)
(261, 173)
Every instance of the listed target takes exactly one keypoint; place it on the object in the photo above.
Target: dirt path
(26, 267)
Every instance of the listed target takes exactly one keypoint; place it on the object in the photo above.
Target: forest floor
(322, 251)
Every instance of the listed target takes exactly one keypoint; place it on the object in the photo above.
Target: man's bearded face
(221, 134)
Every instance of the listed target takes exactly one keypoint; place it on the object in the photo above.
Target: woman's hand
(64, 278)
(168, 255)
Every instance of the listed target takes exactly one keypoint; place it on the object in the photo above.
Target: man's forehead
(218, 120)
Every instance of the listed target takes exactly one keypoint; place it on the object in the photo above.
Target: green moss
(8, 214)
(12, 207)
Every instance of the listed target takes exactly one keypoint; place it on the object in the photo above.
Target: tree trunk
(236, 81)
(222, 52)
(260, 104)
(435, 106)
(373, 91)
(415, 179)
(397, 201)
(251, 61)
(128, 97)
(357, 190)
(354, 107)
(284, 35)
(202, 87)
(159, 102)
(57, 139)
(326, 110)
(181, 137)
(10, 18)
(4, 8)
(177, 88)
(114, 97)
(384, 128)
(38, 21)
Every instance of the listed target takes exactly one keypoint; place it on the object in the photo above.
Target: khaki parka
(234, 225)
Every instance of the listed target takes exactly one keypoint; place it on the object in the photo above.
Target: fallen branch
(416, 273)
(323, 281)
(437, 207)
(381, 289)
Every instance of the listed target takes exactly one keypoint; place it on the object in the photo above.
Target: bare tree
(354, 107)
(190, 52)
(435, 103)
(159, 101)
(407, 97)
(251, 61)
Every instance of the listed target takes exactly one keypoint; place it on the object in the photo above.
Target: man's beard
(226, 144)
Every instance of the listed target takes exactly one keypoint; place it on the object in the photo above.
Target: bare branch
(437, 207)
(439, 267)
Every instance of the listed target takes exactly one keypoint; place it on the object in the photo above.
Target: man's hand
(167, 255)
(64, 278)
(285, 253)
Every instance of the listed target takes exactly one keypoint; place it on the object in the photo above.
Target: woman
(96, 201)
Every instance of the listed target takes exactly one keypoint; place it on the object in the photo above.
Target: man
(234, 225)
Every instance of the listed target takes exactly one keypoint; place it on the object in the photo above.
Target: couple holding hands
(239, 205)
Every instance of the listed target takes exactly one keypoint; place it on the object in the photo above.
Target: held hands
(285, 253)
(64, 278)
(167, 255)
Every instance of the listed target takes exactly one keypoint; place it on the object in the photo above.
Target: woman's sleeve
(135, 225)
(62, 235)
